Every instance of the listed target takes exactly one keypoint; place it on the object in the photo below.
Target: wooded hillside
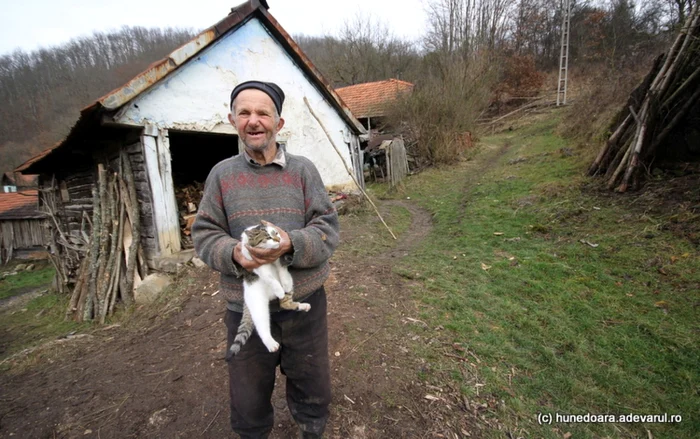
(473, 52)
(43, 91)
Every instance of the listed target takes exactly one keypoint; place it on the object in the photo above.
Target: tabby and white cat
(265, 283)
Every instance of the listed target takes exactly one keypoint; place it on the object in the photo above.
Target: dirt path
(167, 379)
(22, 298)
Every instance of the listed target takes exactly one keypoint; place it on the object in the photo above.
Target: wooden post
(157, 156)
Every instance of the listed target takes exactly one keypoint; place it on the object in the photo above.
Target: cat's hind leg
(260, 313)
(285, 278)
(287, 302)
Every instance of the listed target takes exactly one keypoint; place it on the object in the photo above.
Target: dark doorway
(194, 154)
(192, 157)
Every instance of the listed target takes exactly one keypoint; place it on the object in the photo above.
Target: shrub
(437, 116)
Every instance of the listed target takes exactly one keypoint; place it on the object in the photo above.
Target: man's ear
(280, 124)
(232, 119)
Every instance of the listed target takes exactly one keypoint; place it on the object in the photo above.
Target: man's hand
(262, 256)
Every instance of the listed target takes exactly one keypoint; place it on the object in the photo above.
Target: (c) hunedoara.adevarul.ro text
(568, 418)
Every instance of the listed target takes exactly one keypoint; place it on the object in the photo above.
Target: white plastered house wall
(196, 98)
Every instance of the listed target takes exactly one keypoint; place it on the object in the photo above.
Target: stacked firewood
(113, 257)
(187, 198)
(654, 111)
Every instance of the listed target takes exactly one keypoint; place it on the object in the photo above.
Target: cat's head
(261, 236)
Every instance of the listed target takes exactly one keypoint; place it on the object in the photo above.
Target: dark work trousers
(303, 359)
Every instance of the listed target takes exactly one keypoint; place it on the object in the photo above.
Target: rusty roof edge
(162, 68)
(157, 71)
(24, 166)
(326, 89)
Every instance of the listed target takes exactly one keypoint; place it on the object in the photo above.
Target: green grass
(559, 326)
(374, 238)
(40, 320)
(26, 280)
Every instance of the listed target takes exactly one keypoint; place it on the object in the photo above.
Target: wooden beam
(165, 216)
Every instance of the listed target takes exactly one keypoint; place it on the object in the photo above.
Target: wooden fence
(396, 161)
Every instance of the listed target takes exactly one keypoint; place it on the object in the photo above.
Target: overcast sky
(30, 24)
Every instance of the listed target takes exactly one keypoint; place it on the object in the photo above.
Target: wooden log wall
(21, 234)
(102, 228)
(79, 183)
(77, 188)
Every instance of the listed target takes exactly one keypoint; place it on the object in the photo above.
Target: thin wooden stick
(118, 261)
(306, 101)
(131, 203)
(211, 422)
(110, 269)
(86, 310)
(77, 290)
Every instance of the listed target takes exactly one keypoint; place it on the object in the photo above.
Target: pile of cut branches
(655, 109)
(109, 257)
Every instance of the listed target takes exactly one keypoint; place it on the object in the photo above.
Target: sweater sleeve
(210, 232)
(315, 243)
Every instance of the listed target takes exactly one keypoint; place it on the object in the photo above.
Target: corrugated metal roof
(20, 205)
(160, 69)
(371, 98)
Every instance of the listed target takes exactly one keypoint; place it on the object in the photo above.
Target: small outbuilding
(23, 228)
(370, 101)
(167, 127)
(384, 153)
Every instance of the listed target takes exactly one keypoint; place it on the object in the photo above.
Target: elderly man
(265, 182)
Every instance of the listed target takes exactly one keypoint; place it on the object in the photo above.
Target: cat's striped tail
(245, 329)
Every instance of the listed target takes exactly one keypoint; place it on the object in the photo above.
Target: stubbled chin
(256, 144)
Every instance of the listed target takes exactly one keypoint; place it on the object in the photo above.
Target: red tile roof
(371, 98)
(20, 205)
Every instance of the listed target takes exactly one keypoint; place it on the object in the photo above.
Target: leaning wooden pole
(306, 101)
(132, 211)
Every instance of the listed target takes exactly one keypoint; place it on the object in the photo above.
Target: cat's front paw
(304, 307)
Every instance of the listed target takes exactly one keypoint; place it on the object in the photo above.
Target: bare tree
(364, 50)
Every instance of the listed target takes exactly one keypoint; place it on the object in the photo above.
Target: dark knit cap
(271, 89)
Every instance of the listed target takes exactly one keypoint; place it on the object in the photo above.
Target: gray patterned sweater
(288, 193)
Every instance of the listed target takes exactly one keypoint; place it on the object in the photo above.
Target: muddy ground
(166, 379)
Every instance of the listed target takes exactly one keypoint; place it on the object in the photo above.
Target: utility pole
(564, 58)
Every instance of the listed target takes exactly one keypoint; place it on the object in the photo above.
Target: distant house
(370, 102)
(12, 182)
(171, 121)
(22, 226)
(384, 153)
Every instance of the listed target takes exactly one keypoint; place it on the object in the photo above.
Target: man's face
(254, 116)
